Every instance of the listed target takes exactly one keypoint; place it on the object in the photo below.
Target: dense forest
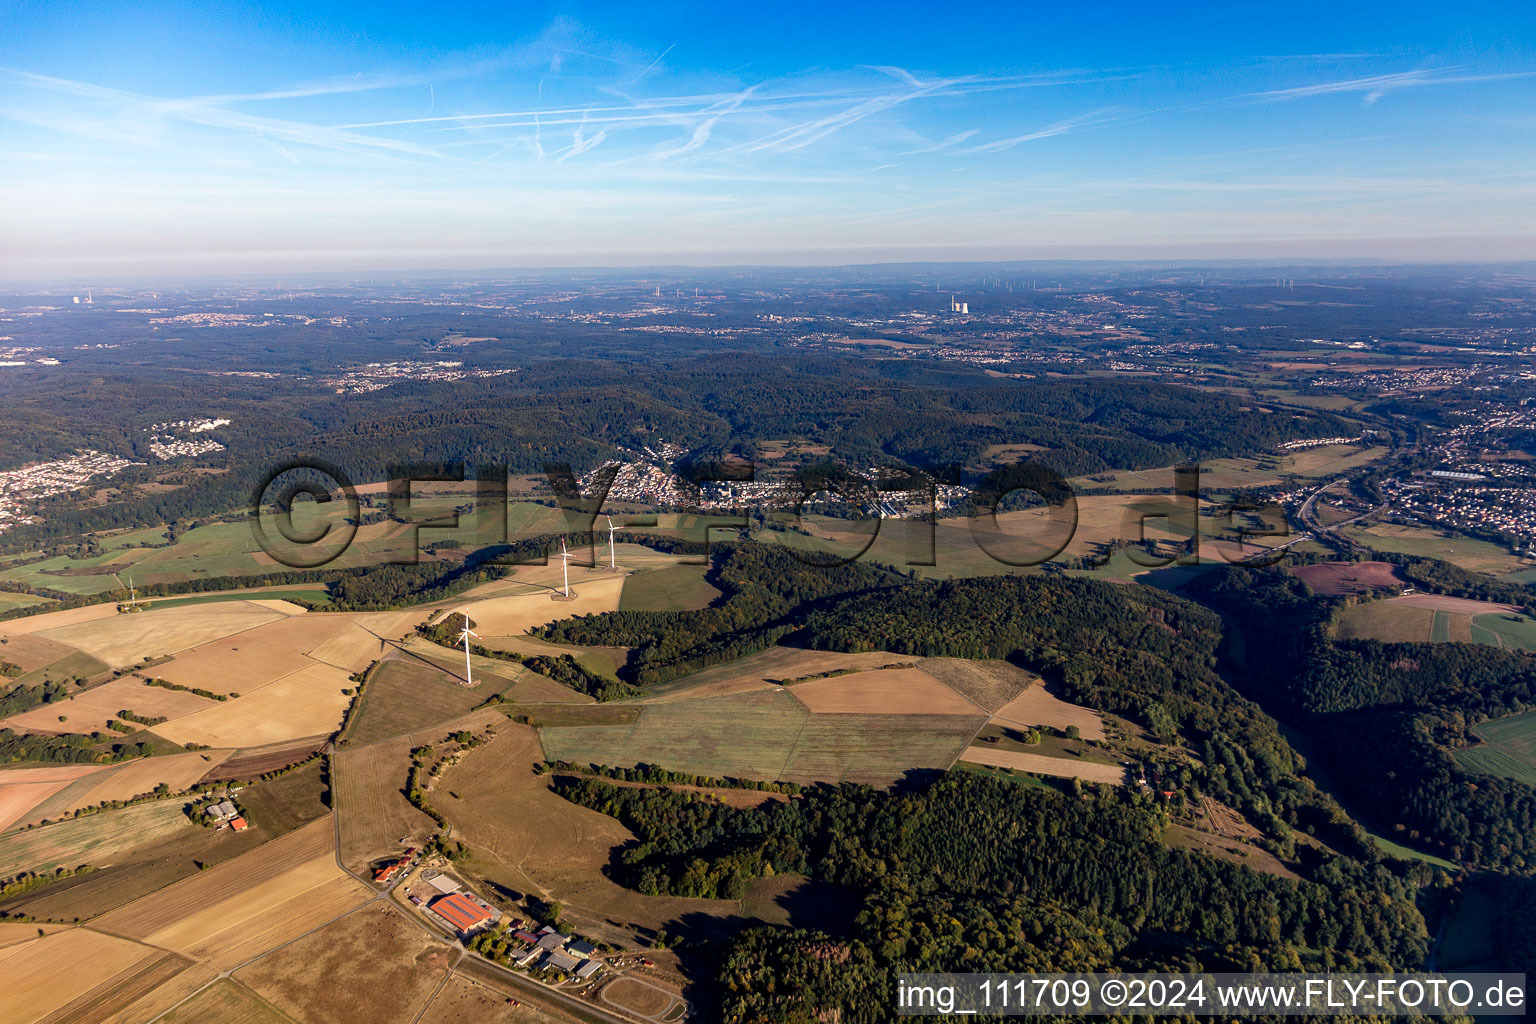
(579, 411)
(1387, 716)
(976, 874)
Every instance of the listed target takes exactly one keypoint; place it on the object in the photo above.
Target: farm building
(238, 824)
(552, 941)
(525, 936)
(588, 969)
(464, 914)
(560, 962)
(580, 947)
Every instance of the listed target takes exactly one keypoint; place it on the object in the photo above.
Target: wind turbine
(611, 563)
(464, 635)
(565, 565)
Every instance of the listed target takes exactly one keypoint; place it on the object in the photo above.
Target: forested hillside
(978, 874)
(1386, 716)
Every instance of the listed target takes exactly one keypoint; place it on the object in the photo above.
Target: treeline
(69, 748)
(980, 874)
(1387, 716)
(1132, 651)
(656, 775)
(764, 586)
(562, 668)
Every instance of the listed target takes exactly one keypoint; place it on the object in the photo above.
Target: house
(464, 914)
(526, 955)
(525, 936)
(560, 962)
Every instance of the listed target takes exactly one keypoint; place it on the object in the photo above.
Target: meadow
(1468, 552)
(1508, 748)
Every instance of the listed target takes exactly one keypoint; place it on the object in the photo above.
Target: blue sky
(289, 137)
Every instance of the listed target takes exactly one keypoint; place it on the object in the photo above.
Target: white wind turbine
(611, 563)
(464, 635)
(565, 565)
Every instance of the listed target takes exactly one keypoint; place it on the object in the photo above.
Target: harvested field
(374, 814)
(372, 965)
(135, 778)
(989, 684)
(877, 750)
(245, 904)
(1454, 605)
(308, 702)
(93, 709)
(1037, 706)
(892, 691)
(166, 995)
(125, 639)
(1061, 767)
(1334, 578)
(12, 932)
(54, 620)
(511, 616)
(767, 670)
(97, 839)
(124, 990)
(535, 841)
(51, 972)
(227, 1002)
(32, 652)
(242, 663)
(466, 1001)
(71, 668)
(768, 735)
(362, 640)
(251, 762)
(406, 694)
(22, 789)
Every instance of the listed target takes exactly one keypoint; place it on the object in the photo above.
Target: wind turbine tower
(612, 564)
(464, 635)
(565, 566)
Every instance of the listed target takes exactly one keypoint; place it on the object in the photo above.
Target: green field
(1408, 853)
(1505, 631)
(1508, 749)
(1468, 552)
(10, 602)
(768, 735)
(675, 588)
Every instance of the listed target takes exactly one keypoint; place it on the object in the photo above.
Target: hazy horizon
(274, 141)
